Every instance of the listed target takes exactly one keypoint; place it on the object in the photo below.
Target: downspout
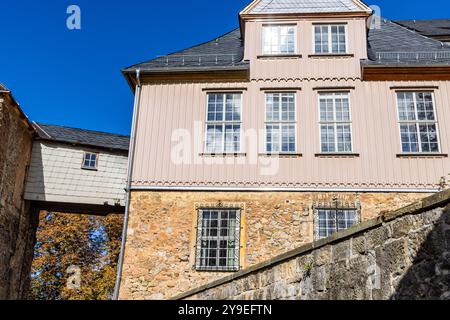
(137, 98)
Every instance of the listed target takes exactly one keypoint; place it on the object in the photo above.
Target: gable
(305, 6)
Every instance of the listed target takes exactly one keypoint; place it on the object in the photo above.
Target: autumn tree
(72, 246)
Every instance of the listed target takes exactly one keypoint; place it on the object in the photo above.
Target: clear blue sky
(73, 78)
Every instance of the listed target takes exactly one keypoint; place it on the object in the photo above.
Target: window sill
(281, 155)
(279, 56)
(223, 154)
(218, 269)
(331, 55)
(422, 155)
(89, 169)
(337, 155)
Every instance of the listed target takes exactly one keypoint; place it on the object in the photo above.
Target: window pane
(331, 221)
(279, 39)
(328, 138)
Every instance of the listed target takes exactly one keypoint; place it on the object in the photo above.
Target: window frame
(355, 209)
(85, 153)
(294, 25)
(237, 240)
(330, 39)
(280, 122)
(335, 123)
(223, 123)
(418, 122)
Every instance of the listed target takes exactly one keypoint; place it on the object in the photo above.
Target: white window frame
(83, 166)
(280, 122)
(224, 123)
(335, 122)
(417, 122)
(237, 241)
(330, 38)
(269, 25)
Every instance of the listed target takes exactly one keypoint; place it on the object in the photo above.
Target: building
(51, 168)
(75, 170)
(304, 121)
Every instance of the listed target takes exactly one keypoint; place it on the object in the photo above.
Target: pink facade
(175, 112)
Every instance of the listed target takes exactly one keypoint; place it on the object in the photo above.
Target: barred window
(279, 39)
(335, 122)
(218, 237)
(331, 221)
(223, 126)
(90, 161)
(330, 39)
(280, 122)
(418, 123)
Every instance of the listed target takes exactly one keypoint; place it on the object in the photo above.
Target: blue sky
(73, 78)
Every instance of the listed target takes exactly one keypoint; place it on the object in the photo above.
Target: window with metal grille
(330, 39)
(330, 221)
(418, 122)
(90, 161)
(223, 125)
(218, 237)
(335, 122)
(280, 122)
(279, 39)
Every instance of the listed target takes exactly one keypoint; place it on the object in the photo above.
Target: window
(280, 122)
(330, 39)
(223, 126)
(90, 161)
(330, 221)
(218, 237)
(335, 122)
(418, 123)
(279, 39)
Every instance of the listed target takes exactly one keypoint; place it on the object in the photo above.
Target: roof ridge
(191, 47)
(80, 129)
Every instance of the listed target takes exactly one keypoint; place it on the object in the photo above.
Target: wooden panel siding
(167, 108)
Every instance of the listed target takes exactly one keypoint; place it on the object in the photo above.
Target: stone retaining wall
(404, 254)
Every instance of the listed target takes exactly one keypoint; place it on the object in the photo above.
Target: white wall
(55, 175)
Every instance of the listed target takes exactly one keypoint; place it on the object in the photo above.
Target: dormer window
(330, 38)
(90, 161)
(279, 39)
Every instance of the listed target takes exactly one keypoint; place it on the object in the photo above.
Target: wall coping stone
(437, 200)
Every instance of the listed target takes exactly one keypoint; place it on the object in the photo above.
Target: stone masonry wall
(17, 225)
(160, 246)
(400, 255)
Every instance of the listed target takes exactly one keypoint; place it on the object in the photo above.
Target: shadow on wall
(429, 275)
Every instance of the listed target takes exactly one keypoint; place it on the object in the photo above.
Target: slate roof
(429, 28)
(223, 53)
(393, 44)
(305, 6)
(82, 137)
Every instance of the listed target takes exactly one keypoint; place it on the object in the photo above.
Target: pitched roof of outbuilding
(430, 28)
(305, 6)
(222, 53)
(394, 44)
(82, 137)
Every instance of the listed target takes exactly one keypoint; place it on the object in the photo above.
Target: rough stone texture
(17, 224)
(404, 258)
(160, 246)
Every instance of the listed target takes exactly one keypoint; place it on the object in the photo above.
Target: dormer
(299, 38)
